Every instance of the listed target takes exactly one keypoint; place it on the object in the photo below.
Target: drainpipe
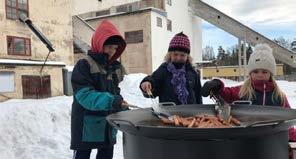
(23, 18)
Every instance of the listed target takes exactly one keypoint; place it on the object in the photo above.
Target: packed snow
(33, 129)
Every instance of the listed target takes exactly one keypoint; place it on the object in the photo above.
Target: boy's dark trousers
(103, 153)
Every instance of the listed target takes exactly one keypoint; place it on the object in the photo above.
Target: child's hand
(146, 87)
(124, 104)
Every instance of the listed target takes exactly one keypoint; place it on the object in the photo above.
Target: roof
(161, 12)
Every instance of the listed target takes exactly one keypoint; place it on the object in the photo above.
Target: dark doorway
(36, 87)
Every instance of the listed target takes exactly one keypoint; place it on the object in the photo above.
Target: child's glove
(213, 86)
(124, 105)
(117, 102)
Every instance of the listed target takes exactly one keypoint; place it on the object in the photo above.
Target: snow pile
(289, 88)
(131, 92)
(31, 129)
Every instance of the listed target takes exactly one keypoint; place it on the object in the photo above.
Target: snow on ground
(33, 129)
(131, 92)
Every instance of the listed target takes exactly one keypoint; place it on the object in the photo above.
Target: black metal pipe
(23, 18)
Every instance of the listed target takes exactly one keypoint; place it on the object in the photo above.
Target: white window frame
(7, 80)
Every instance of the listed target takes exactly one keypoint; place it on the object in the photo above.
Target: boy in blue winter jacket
(95, 80)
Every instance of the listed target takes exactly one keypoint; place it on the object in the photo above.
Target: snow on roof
(30, 62)
(69, 68)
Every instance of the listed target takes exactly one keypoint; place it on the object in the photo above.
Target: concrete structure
(16, 37)
(137, 56)
(184, 20)
(155, 22)
(86, 6)
(293, 46)
(14, 87)
(241, 31)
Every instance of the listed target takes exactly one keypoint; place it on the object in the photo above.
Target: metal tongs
(155, 108)
(154, 112)
(222, 108)
(150, 95)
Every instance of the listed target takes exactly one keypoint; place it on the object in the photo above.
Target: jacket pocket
(93, 128)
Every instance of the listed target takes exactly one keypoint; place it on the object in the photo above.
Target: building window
(169, 2)
(103, 12)
(7, 82)
(127, 7)
(16, 7)
(169, 25)
(122, 8)
(18, 46)
(159, 22)
(134, 36)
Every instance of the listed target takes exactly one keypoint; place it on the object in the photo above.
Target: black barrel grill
(262, 135)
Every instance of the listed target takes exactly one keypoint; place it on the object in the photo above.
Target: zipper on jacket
(264, 94)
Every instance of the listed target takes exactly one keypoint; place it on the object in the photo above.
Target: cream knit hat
(262, 58)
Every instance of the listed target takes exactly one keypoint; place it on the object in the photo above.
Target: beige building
(147, 26)
(22, 53)
(136, 29)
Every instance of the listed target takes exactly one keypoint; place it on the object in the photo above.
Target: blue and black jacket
(96, 95)
(95, 80)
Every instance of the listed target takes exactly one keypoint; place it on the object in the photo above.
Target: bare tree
(208, 53)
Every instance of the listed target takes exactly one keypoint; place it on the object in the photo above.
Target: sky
(273, 19)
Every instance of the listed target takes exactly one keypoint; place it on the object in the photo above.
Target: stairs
(240, 30)
(82, 33)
